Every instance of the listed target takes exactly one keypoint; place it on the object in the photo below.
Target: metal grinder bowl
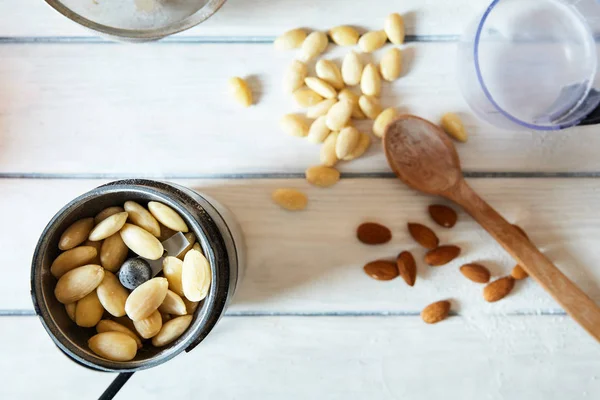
(217, 232)
(125, 20)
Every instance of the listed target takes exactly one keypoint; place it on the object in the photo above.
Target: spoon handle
(574, 301)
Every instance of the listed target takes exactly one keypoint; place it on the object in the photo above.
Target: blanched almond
(370, 106)
(73, 258)
(294, 125)
(453, 126)
(106, 325)
(172, 268)
(319, 131)
(346, 141)
(291, 39)
(141, 242)
(197, 247)
(394, 28)
(293, 77)
(290, 199)
(146, 298)
(321, 87)
(313, 45)
(167, 216)
(370, 82)
(339, 115)
(149, 326)
(108, 227)
(372, 41)
(240, 90)
(344, 35)
(363, 144)
(322, 176)
(98, 247)
(173, 304)
(195, 276)
(172, 330)
(352, 68)
(114, 346)
(113, 252)
(330, 73)
(71, 308)
(78, 283)
(391, 65)
(328, 156)
(107, 212)
(141, 217)
(347, 94)
(383, 120)
(320, 109)
(76, 234)
(307, 97)
(190, 306)
(112, 294)
(88, 311)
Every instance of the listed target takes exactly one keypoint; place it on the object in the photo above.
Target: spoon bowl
(422, 155)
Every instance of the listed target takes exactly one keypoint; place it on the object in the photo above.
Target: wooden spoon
(424, 158)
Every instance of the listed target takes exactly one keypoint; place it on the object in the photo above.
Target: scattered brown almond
(476, 273)
(443, 215)
(518, 273)
(382, 270)
(373, 233)
(521, 231)
(407, 267)
(423, 235)
(498, 289)
(436, 312)
(442, 255)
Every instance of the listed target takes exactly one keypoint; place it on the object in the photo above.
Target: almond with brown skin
(436, 312)
(521, 231)
(407, 267)
(443, 215)
(476, 273)
(382, 270)
(498, 289)
(373, 233)
(423, 235)
(518, 273)
(442, 255)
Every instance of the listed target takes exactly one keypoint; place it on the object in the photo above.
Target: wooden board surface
(311, 262)
(159, 110)
(535, 357)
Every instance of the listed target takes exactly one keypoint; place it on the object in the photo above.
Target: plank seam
(191, 39)
(286, 175)
(234, 314)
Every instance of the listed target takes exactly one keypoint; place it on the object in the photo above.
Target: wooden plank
(334, 358)
(240, 18)
(170, 102)
(311, 262)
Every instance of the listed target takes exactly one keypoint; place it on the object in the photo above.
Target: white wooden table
(77, 111)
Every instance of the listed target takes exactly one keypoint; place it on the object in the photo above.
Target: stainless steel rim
(200, 16)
